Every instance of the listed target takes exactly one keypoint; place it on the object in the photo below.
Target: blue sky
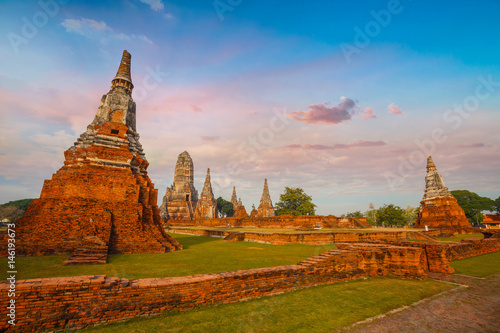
(343, 99)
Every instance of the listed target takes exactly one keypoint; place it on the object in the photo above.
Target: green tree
(473, 205)
(224, 207)
(497, 205)
(355, 214)
(390, 215)
(295, 201)
(410, 214)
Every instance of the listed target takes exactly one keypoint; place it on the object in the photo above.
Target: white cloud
(98, 29)
(154, 4)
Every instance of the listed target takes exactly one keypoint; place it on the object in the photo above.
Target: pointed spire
(123, 77)
(207, 188)
(430, 164)
(234, 198)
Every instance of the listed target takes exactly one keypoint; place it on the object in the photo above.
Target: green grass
(479, 266)
(200, 255)
(459, 237)
(319, 309)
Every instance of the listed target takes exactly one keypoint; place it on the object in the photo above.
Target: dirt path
(475, 308)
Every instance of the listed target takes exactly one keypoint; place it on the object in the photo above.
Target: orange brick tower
(439, 208)
(234, 198)
(266, 205)
(239, 210)
(102, 195)
(181, 198)
(206, 208)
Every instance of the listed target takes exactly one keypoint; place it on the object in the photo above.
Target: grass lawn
(293, 231)
(459, 237)
(319, 309)
(479, 266)
(200, 255)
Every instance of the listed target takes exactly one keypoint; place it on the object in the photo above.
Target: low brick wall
(474, 247)
(282, 221)
(75, 302)
(316, 238)
(438, 255)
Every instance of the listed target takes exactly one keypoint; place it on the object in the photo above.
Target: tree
(497, 205)
(473, 205)
(390, 215)
(224, 207)
(296, 202)
(410, 214)
(355, 214)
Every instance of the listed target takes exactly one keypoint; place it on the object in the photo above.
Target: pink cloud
(195, 108)
(472, 145)
(321, 113)
(368, 114)
(356, 144)
(210, 138)
(394, 110)
(253, 112)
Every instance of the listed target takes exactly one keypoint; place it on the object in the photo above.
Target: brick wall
(301, 238)
(56, 303)
(282, 221)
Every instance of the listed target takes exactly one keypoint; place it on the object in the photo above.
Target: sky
(344, 99)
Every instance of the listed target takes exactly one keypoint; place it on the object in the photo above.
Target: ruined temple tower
(266, 206)
(234, 198)
(239, 210)
(439, 208)
(181, 197)
(207, 205)
(102, 195)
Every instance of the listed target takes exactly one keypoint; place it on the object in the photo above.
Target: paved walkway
(474, 308)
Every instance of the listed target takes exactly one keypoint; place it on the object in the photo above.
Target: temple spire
(430, 164)
(234, 198)
(123, 77)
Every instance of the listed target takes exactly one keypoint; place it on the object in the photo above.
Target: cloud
(210, 138)
(195, 108)
(253, 112)
(368, 114)
(394, 110)
(356, 144)
(154, 4)
(321, 113)
(98, 29)
(472, 145)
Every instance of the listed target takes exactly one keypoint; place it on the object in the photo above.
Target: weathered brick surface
(474, 247)
(46, 304)
(282, 221)
(102, 190)
(300, 238)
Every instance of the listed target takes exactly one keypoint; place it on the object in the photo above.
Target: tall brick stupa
(102, 196)
(439, 208)
(266, 205)
(181, 198)
(206, 208)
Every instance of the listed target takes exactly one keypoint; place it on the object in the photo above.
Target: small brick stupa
(102, 198)
(439, 208)
(266, 205)
(240, 211)
(206, 208)
(181, 198)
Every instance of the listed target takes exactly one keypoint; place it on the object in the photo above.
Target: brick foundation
(75, 302)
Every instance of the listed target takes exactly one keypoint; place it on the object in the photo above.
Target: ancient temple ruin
(234, 198)
(102, 199)
(266, 208)
(207, 204)
(181, 197)
(239, 210)
(439, 208)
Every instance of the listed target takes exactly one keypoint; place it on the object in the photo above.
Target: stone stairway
(318, 260)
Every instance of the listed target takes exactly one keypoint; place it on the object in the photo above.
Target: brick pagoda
(265, 208)
(439, 208)
(181, 198)
(206, 208)
(102, 199)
